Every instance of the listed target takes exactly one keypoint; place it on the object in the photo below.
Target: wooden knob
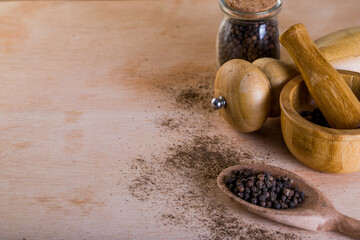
(278, 73)
(247, 93)
(329, 90)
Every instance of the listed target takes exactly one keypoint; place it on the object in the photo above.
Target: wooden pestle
(332, 95)
(340, 48)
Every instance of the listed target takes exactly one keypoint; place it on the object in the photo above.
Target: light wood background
(88, 114)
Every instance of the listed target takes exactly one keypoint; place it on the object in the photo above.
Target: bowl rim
(341, 135)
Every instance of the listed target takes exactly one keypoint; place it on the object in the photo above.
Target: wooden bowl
(324, 149)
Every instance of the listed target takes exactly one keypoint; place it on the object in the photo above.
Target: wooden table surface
(106, 131)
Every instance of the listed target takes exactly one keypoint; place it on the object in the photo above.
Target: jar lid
(251, 9)
(251, 6)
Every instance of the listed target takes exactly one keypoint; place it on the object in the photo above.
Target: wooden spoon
(315, 213)
(331, 93)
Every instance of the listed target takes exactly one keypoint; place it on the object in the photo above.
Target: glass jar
(246, 35)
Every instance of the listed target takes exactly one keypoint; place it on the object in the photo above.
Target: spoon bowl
(315, 213)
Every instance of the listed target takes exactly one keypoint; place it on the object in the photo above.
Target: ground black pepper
(248, 40)
(264, 195)
(182, 177)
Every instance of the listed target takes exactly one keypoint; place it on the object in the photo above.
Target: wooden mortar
(329, 90)
(324, 149)
(340, 48)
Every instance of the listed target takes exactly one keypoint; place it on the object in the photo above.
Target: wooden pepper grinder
(331, 93)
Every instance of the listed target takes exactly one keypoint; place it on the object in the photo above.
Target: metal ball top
(218, 103)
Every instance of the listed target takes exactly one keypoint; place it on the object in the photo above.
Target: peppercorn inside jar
(248, 35)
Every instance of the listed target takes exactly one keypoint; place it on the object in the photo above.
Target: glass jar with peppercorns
(248, 30)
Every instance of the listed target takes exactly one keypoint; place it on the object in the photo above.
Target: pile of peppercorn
(264, 190)
(248, 40)
(316, 117)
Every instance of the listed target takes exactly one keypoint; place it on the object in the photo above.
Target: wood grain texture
(278, 74)
(348, 226)
(323, 149)
(247, 92)
(342, 48)
(332, 95)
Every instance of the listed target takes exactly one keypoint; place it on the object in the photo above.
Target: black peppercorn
(267, 194)
(247, 40)
(229, 181)
(262, 197)
(255, 194)
(257, 189)
(315, 117)
(268, 184)
(291, 193)
(250, 184)
(302, 195)
(286, 192)
(246, 196)
(286, 185)
(260, 184)
(273, 183)
(261, 177)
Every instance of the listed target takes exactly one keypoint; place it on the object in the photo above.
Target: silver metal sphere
(218, 103)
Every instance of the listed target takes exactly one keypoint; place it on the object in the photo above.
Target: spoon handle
(348, 226)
